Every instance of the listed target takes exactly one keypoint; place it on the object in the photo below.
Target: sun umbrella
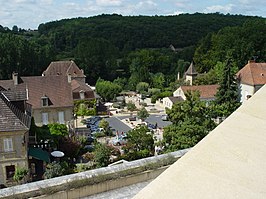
(57, 154)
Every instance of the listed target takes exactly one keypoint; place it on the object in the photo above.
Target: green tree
(131, 107)
(227, 99)
(53, 169)
(107, 90)
(57, 131)
(191, 122)
(158, 80)
(142, 87)
(140, 144)
(143, 114)
(105, 125)
(102, 155)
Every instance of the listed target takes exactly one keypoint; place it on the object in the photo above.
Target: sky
(29, 14)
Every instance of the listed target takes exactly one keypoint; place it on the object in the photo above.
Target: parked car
(164, 117)
(90, 140)
(90, 148)
(98, 130)
(119, 141)
(152, 126)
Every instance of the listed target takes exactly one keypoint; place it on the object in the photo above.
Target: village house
(76, 77)
(15, 120)
(50, 97)
(207, 93)
(250, 79)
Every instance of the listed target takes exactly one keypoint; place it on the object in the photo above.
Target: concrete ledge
(95, 181)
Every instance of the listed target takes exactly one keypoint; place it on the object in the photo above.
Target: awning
(39, 154)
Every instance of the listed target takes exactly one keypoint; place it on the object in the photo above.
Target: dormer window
(44, 101)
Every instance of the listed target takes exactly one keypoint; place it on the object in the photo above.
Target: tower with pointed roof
(191, 74)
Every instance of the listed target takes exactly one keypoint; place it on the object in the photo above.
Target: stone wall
(95, 181)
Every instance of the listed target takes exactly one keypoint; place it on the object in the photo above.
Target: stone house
(15, 120)
(75, 75)
(169, 101)
(250, 79)
(207, 92)
(50, 96)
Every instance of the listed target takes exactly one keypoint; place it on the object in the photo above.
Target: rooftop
(253, 73)
(206, 91)
(230, 162)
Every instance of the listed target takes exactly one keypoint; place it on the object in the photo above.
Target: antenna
(255, 57)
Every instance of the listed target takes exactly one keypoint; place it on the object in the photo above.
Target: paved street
(118, 125)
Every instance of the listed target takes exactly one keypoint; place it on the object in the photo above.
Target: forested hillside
(133, 48)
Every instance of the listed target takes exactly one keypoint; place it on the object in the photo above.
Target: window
(8, 145)
(44, 118)
(61, 117)
(10, 171)
(44, 101)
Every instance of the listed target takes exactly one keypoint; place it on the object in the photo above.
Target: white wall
(179, 93)
(167, 103)
(246, 90)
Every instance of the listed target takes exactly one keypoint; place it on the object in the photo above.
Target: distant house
(15, 120)
(169, 101)
(50, 96)
(207, 92)
(251, 78)
(75, 75)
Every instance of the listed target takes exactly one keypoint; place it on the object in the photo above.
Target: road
(117, 124)
(153, 119)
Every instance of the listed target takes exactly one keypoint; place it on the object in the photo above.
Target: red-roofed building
(50, 97)
(251, 78)
(75, 75)
(207, 92)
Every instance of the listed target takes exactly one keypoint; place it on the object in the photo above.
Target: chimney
(15, 78)
(69, 78)
(251, 61)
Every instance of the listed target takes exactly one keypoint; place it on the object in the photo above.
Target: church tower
(191, 74)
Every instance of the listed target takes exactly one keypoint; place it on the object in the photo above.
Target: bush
(20, 173)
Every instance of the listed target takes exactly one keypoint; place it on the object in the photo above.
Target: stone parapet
(95, 181)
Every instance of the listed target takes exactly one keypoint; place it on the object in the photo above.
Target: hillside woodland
(133, 49)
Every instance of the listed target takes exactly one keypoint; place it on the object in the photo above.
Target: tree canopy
(140, 143)
(191, 121)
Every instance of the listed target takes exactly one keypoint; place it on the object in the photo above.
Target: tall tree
(140, 143)
(191, 122)
(227, 97)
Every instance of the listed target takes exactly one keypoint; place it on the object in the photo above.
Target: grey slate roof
(12, 118)
(191, 70)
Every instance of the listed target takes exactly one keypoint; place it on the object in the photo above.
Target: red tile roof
(206, 91)
(78, 86)
(253, 73)
(64, 68)
(56, 88)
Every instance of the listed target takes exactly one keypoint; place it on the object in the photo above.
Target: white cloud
(219, 8)
(147, 3)
(176, 13)
(109, 2)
